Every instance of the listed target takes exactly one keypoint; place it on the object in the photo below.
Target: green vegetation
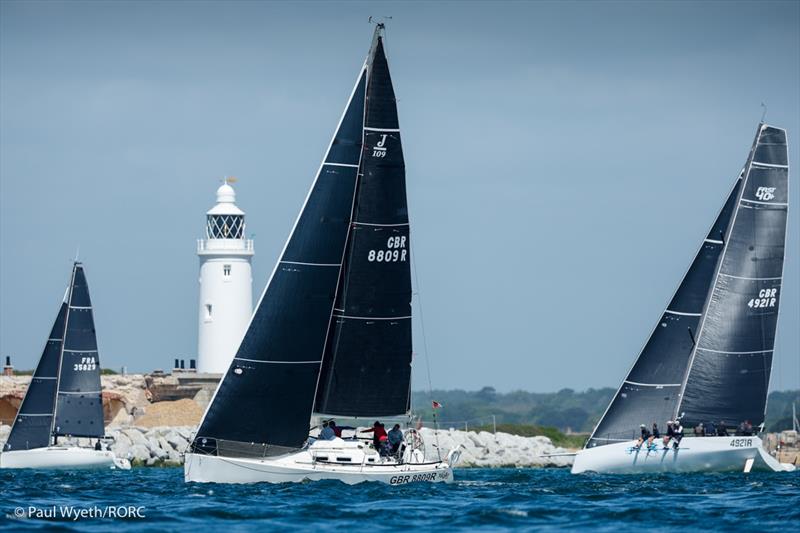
(574, 440)
(108, 372)
(565, 411)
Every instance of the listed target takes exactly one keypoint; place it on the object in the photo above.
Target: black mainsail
(64, 396)
(367, 365)
(729, 372)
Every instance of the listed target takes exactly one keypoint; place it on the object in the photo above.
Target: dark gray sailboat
(64, 398)
(709, 358)
(331, 333)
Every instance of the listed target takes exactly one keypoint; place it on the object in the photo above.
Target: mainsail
(651, 389)
(367, 364)
(79, 401)
(729, 372)
(64, 396)
(34, 422)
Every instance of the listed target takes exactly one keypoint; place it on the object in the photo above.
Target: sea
(157, 499)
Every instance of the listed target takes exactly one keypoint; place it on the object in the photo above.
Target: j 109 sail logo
(766, 298)
(379, 150)
(765, 193)
(396, 251)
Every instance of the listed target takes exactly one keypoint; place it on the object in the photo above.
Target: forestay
(728, 376)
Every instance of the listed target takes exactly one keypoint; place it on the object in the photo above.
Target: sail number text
(86, 364)
(396, 251)
(766, 298)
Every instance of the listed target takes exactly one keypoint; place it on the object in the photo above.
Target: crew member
(655, 435)
(336, 429)
(395, 439)
(722, 429)
(670, 433)
(645, 436)
(327, 432)
(677, 434)
(377, 431)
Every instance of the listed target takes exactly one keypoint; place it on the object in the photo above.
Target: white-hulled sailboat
(64, 398)
(331, 335)
(709, 358)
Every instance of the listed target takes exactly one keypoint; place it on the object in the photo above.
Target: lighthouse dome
(226, 194)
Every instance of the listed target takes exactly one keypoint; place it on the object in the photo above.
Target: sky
(564, 162)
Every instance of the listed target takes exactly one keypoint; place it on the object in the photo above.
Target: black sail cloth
(79, 403)
(367, 365)
(728, 377)
(266, 396)
(64, 396)
(34, 422)
(339, 297)
(651, 389)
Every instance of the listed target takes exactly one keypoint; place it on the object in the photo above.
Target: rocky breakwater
(165, 445)
(495, 450)
(156, 446)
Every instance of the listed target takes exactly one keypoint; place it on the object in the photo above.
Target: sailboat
(331, 334)
(64, 398)
(708, 359)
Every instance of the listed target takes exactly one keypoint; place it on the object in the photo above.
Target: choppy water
(490, 499)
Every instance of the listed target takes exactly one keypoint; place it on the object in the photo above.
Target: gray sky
(564, 160)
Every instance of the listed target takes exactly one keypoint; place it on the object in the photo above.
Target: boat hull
(58, 457)
(213, 469)
(348, 461)
(695, 454)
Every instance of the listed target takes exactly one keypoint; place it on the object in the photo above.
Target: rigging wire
(425, 345)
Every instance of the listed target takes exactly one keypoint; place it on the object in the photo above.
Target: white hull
(61, 457)
(695, 454)
(365, 465)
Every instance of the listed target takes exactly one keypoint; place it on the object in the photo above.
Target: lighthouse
(226, 283)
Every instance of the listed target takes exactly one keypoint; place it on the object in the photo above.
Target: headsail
(367, 365)
(264, 401)
(34, 421)
(651, 389)
(79, 402)
(728, 376)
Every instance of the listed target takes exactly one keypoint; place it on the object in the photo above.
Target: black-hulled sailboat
(64, 398)
(709, 358)
(331, 335)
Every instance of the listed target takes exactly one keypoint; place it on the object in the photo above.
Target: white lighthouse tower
(226, 283)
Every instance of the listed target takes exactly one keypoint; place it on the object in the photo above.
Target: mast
(67, 299)
(729, 372)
